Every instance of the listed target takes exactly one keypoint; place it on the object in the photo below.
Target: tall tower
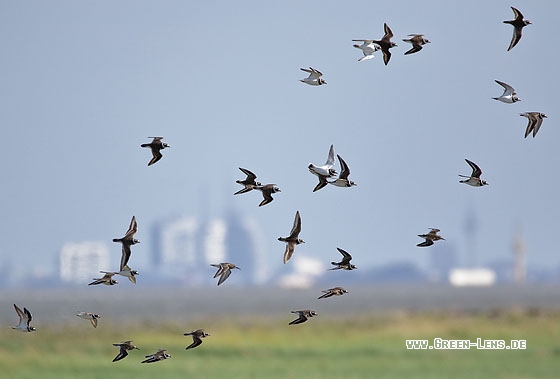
(240, 246)
(518, 247)
(471, 227)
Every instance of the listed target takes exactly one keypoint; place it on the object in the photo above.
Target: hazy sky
(85, 83)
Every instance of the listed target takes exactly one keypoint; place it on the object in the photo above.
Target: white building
(186, 247)
(80, 262)
(178, 242)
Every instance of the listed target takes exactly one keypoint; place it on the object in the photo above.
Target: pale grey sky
(84, 84)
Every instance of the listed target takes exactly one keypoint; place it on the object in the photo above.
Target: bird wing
(518, 15)
(196, 341)
(388, 32)
(386, 56)
(537, 124)
(296, 228)
(27, 315)
(19, 313)
(125, 255)
(346, 258)
(476, 171)
(156, 155)
(313, 73)
(267, 195)
(508, 90)
(427, 242)
(132, 229)
(415, 48)
(517, 33)
(344, 169)
(290, 246)
(250, 176)
(322, 183)
(122, 353)
(327, 294)
(530, 125)
(330, 158)
(301, 318)
(220, 269)
(316, 72)
(225, 274)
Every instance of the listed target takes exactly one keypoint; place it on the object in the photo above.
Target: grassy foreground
(372, 346)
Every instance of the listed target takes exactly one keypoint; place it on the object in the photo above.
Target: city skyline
(85, 85)
(181, 249)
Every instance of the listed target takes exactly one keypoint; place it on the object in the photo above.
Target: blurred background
(85, 83)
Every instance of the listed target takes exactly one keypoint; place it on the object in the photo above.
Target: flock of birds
(326, 174)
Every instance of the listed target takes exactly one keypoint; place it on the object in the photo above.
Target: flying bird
(129, 273)
(417, 41)
(293, 239)
(107, 279)
(125, 347)
(127, 241)
(157, 356)
(325, 171)
(367, 47)
(535, 122)
(430, 237)
(224, 271)
(267, 191)
(518, 24)
(509, 96)
(303, 316)
(156, 145)
(342, 180)
(197, 336)
(314, 78)
(473, 180)
(24, 320)
(249, 183)
(385, 43)
(344, 264)
(92, 317)
(335, 291)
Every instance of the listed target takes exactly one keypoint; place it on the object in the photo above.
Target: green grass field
(372, 346)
